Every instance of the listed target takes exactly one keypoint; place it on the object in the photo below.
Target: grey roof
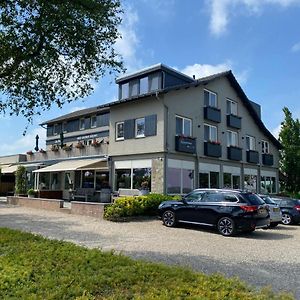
(76, 114)
(154, 68)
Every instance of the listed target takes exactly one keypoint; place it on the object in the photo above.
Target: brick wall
(39, 203)
(88, 209)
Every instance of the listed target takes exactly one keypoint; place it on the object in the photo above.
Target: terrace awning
(9, 169)
(73, 165)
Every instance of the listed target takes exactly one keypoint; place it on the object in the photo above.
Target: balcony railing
(185, 144)
(234, 121)
(234, 153)
(212, 114)
(253, 156)
(212, 149)
(267, 159)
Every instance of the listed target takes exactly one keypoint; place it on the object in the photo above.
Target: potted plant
(31, 193)
(79, 145)
(95, 143)
(29, 152)
(67, 148)
(54, 148)
(42, 151)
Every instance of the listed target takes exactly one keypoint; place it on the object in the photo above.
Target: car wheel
(286, 219)
(169, 218)
(226, 226)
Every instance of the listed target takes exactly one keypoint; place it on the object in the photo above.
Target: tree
(51, 51)
(289, 137)
(20, 187)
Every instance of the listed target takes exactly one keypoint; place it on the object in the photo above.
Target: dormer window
(93, 121)
(125, 90)
(210, 99)
(82, 124)
(134, 88)
(154, 82)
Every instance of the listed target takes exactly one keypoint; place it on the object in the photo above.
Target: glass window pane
(134, 88)
(213, 133)
(125, 90)
(227, 180)
(68, 181)
(142, 178)
(120, 130)
(273, 185)
(102, 180)
(140, 127)
(236, 182)
(228, 107)
(263, 188)
(179, 125)
(144, 86)
(88, 178)
(44, 181)
(187, 181)
(206, 133)
(154, 83)
(214, 180)
(122, 179)
(234, 108)
(229, 138)
(93, 121)
(56, 181)
(213, 100)
(173, 180)
(250, 182)
(187, 127)
(203, 180)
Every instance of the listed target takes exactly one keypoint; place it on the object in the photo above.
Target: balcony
(212, 149)
(234, 153)
(212, 114)
(185, 144)
(234, 121)
(267, 159)
(252, 156)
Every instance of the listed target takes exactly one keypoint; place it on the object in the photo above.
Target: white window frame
(55, 131)
(229, 141)
(209, 98)
(210, 137)
(136, 129)
(82, 127)
(64, 127)
(265, 147)
(252, 145)
(236, 105)
(93, 117)
(183, 119)
(121, 138)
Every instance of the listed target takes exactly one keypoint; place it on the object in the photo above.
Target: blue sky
(259, 40)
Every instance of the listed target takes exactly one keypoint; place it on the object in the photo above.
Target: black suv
(290, 209)
(227, 210)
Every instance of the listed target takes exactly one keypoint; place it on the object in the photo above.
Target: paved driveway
(265, 257)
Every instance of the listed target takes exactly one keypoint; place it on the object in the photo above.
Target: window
(268, 185)
(123, 179)
(210, 133)
(210, 98)
(231, 181)
(141, 178)
(250, 182)
(140, 127)
(134, 88)
(104, 119)
(82, 124)
(183, 126)
(250, 143)
(194, 196)
(209, 180)
(88, 179)
(154, 83)
(93, 121)
(144, 85)
(232, 138)
(179, 180)
(265, 147)
(64, 127)
(120, 131)
(125, 90)
(56, 129)
(231, 107)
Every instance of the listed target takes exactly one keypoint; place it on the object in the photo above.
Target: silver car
(274, 210)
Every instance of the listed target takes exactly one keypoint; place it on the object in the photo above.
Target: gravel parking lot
(265, 257)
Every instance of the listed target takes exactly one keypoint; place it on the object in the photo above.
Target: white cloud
(276, 131)
(128, 43)
(221, 11)
(296, 47)
(202, 70)
(25, 143)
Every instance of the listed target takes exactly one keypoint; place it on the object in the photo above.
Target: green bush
(32, 267)
(125, 207)
(20, 187)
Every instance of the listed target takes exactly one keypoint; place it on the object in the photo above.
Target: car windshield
(253, 199)
(268, 200)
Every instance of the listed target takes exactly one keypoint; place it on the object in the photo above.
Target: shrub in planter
(125, 207)
(32, 193)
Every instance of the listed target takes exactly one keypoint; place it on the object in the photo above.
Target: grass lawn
(32, 267)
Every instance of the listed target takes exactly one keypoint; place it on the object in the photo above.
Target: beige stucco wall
(134, 110)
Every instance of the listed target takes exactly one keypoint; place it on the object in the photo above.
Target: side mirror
(184, 200)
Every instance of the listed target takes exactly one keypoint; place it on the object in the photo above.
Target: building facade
(168, 132)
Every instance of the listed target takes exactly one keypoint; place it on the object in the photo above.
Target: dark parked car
(290, 209)
(229, 211)
(274, 210)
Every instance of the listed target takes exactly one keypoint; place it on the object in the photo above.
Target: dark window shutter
(150, 125)
(206, 98)
(128, 129)
(49, 130)
(87, 123)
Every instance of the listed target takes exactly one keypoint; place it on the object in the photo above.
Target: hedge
(125, 207)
